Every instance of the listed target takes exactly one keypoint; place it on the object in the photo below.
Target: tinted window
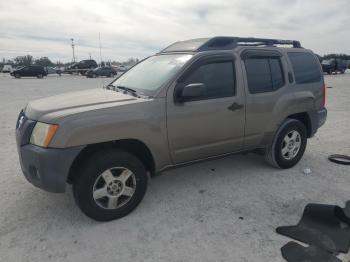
(259, 75)
(264, 74)
(306, 68)
(218, 78)
(276, 73)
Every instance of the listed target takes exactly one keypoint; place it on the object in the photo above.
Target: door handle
(235, 106)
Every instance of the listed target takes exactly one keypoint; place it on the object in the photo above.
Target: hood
(49, 108)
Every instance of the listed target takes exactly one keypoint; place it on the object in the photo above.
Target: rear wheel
(40, 76)
(111, 184)
(289, 144)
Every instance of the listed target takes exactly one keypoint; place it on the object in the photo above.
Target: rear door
(268, 96)
(212, 124)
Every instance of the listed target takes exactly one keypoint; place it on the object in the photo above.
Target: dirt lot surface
(222, 210)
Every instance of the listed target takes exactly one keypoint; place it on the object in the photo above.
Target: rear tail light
(324, 94)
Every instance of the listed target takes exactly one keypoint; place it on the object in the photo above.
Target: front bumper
(46, 168)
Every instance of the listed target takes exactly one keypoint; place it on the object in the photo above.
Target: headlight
(42, 134)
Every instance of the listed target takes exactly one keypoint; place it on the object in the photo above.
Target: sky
(130, 28)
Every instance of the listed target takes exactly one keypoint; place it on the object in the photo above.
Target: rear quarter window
(306, 68)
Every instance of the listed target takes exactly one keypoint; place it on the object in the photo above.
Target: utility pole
(99, 41)
(73, 49)
(90, 55)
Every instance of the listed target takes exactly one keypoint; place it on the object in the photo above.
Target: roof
(225, 43)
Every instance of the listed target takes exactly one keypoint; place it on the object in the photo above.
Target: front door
(212, 124)
(25, 71)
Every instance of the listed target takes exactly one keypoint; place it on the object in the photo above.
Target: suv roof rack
(225, 43)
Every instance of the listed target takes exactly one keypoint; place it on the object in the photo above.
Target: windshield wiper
(109, 86)
(127, 89)
(133, 92)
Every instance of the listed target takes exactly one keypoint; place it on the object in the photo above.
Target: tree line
(338, 56)
(45, 61)
(27, 60)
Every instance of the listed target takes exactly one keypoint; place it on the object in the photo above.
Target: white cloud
(141, 28)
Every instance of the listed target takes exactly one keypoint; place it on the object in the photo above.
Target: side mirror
(190, 92)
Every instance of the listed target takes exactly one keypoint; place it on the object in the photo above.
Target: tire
(40, 76)
(274, 153)
(91, 181)
(17, 76)
(94, 76)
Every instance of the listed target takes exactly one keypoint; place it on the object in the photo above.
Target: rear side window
(306, 68)
(218, 77)
(264, 74)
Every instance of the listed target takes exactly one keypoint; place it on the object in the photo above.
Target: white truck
(7, 69)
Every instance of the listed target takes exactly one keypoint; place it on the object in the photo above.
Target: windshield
(149, 75)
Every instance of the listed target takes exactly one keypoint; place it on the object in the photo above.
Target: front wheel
(289, 144)
(111, 184)
(40, 76)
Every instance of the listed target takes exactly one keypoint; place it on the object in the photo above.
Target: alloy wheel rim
(291, 144)
(114, 188)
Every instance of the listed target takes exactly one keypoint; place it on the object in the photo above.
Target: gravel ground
(222, 210)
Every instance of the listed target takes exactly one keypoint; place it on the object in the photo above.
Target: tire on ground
(273, 153)
(92, 168)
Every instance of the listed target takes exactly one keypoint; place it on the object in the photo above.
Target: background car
(33, 70)
(101, 71)
(82, 66)
(333, 65)
(123, 68)
(53, 70)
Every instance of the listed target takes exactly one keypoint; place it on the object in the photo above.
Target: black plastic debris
(293, 252)
(324, 226)
(340, 159)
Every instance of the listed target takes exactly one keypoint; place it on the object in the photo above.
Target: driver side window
(218, 79)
